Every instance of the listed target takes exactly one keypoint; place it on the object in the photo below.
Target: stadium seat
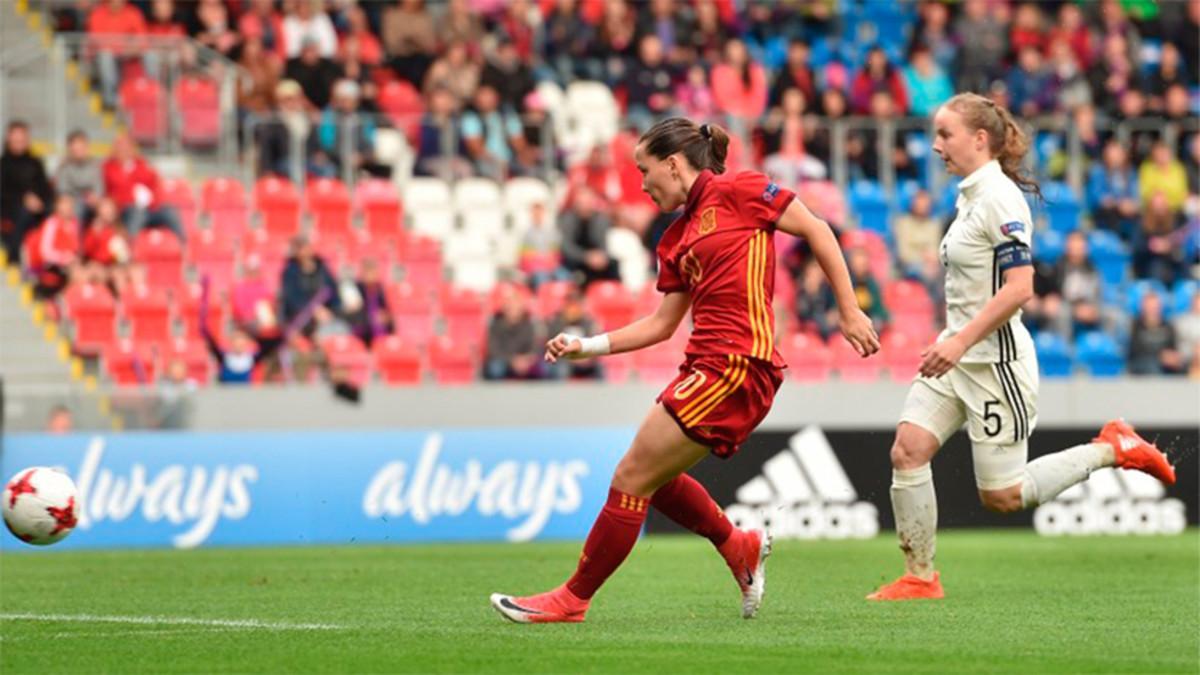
(145, 109)
(849, 365)
(278, 204)
(194, 355)
(379, 202)
(503, 289)
(347, 358)
(187, 308)
(397, 362)
(148, 312)
(911, 308)
(1048, 246)
(901, 353)
(1110, 255)
(129, 365)
(434, 222)
(412, 312)
(198, 101)
(464, 312)
(521, 193)
(453, 361)
(160, 252)
(214, 257)
(271, 253)
(476, 275)
(1136, 292)
(869, 203)
(476, 193)
(402, 103)
(626, 247)
(611, 303)
(551, 296)
(1063, 207)
(807, 356)
(92, 310)
(618, 368)
(1053, 354)
(362, 246)
(1182, 295)
(1099, 354)
(224, 200)
(177, 193)
(421, 193)
(876, 247)
(486, 223)
(422, 262)
(659, 364)
(328, 201)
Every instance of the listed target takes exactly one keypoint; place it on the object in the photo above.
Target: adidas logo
(804, 493)
(1112, 502)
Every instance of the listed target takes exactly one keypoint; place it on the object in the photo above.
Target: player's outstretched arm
(855, 324)
(649, 330)
(1017, 289)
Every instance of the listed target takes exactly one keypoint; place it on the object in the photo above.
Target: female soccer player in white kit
(983, 370)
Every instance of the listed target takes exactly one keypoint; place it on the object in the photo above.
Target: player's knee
(907, 457)
(631, 478)
(913, 447)
(1007, 500)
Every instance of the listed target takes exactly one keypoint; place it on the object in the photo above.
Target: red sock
(685, 501)
(612, 538)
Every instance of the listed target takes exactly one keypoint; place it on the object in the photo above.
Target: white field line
(245, 624)
(112, 633)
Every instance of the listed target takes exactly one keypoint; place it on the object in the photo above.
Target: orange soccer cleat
(557, 606)
(746, 554)
(910, 587)
(1134, 452)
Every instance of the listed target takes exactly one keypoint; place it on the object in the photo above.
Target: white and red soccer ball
(40, 505)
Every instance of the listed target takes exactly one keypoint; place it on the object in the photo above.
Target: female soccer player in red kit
(718, 258)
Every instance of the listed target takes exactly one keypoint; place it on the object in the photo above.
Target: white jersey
(990, 234)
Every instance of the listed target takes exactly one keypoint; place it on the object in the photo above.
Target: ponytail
(1007, 141)
(705, 146)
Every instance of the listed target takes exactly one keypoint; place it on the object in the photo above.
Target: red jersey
(121, 177)
(721, 250)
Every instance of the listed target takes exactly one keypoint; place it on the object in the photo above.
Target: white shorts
(998, 403)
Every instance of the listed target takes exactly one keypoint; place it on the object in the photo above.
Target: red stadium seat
(453, 361)
(551, 296)
(278, 204)
(199, 103)
(194, 355)
(145, 109)
(876, 248)
(648, 300)
(214, 257)
(362, 246)
(901, 354)
(617, 368)
(149, 315)
(129, 365)
(379, 202)
(422, 261)
(850, 366)
(160, 252)
(401, 101)
(177, 192)
(328, 200)
(412, 312)
(346, 353)
(465, 314)
(911, 309)
(187, 307)
(502, 289)
(271, 253)
(807, 357)
(659, 364)
(611, 303)
(224, 200)
(92, 310)
(398, 362)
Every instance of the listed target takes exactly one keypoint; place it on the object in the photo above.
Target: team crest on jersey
(769, 193)
(708, 220)
(1015, 226)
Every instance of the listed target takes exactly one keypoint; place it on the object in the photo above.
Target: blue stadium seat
(943, 202)
(1137, 291)
(868, 201)
(1099, 354)
(1063, 207)
(1110, 255)
(1053, 354)
(905, 191)
(1181, 295)
(1048, 246)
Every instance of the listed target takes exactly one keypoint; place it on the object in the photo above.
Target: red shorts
(718, 400)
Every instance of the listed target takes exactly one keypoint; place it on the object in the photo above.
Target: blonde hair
(1006, 140)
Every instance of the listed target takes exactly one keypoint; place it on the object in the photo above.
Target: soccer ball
(40, 505)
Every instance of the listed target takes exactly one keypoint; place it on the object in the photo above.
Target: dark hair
(704, 145)
(76, 134)
(1006, 140)
(17, 124)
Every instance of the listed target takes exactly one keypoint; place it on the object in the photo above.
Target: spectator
(918, 235)
(459, 23)
(878, 75)
(256, 89)
(173, 396)
(1114, 23)
(740, 87)
(1152, 346)
(709, 35)
(1184, 32)
(507, 74)
(409, 39)
(784, 133)
(370, 50)
(1112, 191)
(305, 279)
(354, 69)
(215, 29)
(932, 34)
(863, 145)
(1114, 75)
(283, 138)
(261, 22)
(456, 72)
(1079, 288)
(614, 44)
(236, 364)
(1131, 105)
(60, 420)
(866, 289)
(110, 24)
(107, 250)
(308, 23)
(598, 174)
(567, 40)
(1027, 30)
(164, 20)
(665, 20)
(134, 186)
(833, 107)
(926, 85)
(516, 26)
(53, 249)
(513, 349)
(489, 134)
(79, 176)
(1072, 29)
(1067, 78)
(984, 44)
(1156, 250)
(694, 97)
(796, 74)
(815, 308)
(253, 300)
(573, 319)
(538, 154)
(648, 85)
(541, 242)
(1030, 85)
(439, 151)
(1187, 333)
(584, 236)
(343, 129)
(1177, 106)
(1162, 173)
(1191, 161)
(314, 73)
(1171, 72)
(25, 192)
(372, 318)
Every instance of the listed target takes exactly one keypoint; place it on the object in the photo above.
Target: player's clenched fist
(562, 345)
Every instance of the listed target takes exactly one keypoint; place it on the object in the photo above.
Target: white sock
(915, 507)
(1047, 476)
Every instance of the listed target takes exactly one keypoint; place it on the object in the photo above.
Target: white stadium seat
(487, 222)
(626, 247)
(433, 221)
(464, 246)
(476, 193)
(422, 192)
(520, 193)
(476, 275)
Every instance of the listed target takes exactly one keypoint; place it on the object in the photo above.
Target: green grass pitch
(1015, 603)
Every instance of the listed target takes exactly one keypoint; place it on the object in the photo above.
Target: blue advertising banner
(188, 489)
